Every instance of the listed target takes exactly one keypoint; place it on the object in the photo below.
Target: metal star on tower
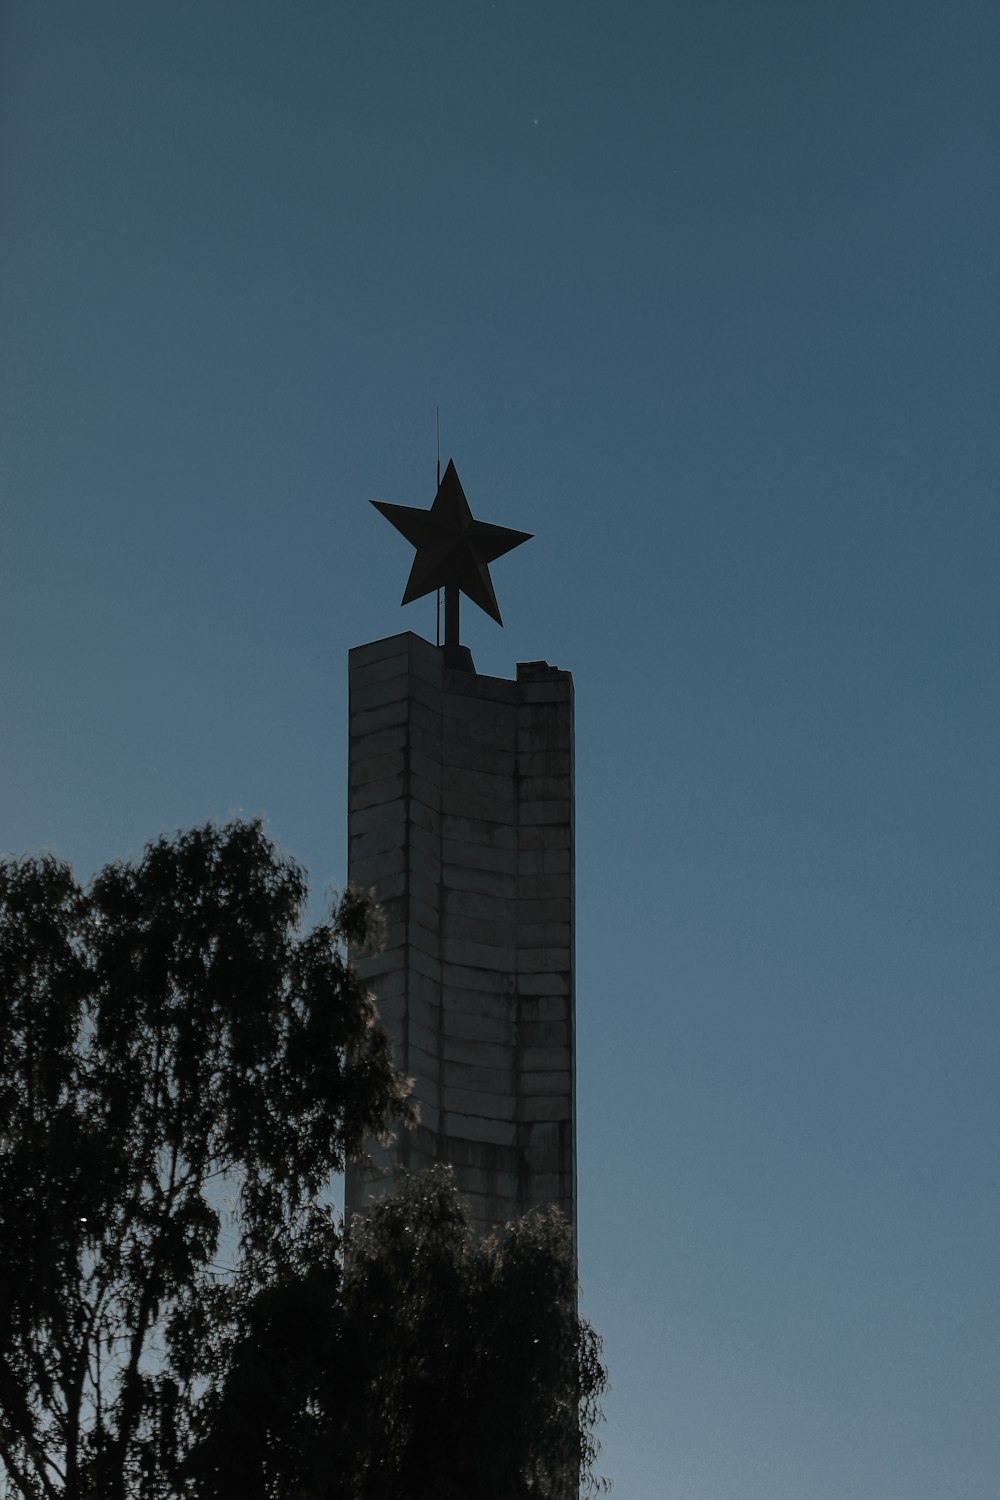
(453, 550)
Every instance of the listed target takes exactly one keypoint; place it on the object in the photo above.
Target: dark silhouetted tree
(182, 1068)
(428, 1366)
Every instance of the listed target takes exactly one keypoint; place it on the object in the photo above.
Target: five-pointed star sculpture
(452, 548)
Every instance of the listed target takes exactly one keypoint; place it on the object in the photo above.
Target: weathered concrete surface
(462, 819)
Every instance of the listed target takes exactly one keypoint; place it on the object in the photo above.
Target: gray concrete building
(462, 820)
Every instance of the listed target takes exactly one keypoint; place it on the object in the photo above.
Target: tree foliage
(428, 1366)
(182, 1068)
(169, 1041)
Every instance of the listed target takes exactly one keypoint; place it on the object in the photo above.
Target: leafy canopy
(427, 1365)
(181, 1071)
(182, 1068)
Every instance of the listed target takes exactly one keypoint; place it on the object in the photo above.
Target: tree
(429, 1366)
(182, 1068)
(169, 1041)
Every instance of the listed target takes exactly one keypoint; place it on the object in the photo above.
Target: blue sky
(707, 296)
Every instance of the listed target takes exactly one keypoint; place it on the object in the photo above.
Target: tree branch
(41, 1463)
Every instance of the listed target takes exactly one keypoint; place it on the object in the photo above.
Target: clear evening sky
(708, 296)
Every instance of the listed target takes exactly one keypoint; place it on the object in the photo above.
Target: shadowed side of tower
(462, 819)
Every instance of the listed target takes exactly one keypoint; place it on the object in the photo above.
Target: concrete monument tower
(461, 818)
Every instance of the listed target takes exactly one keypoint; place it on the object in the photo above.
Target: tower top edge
(406, 641)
